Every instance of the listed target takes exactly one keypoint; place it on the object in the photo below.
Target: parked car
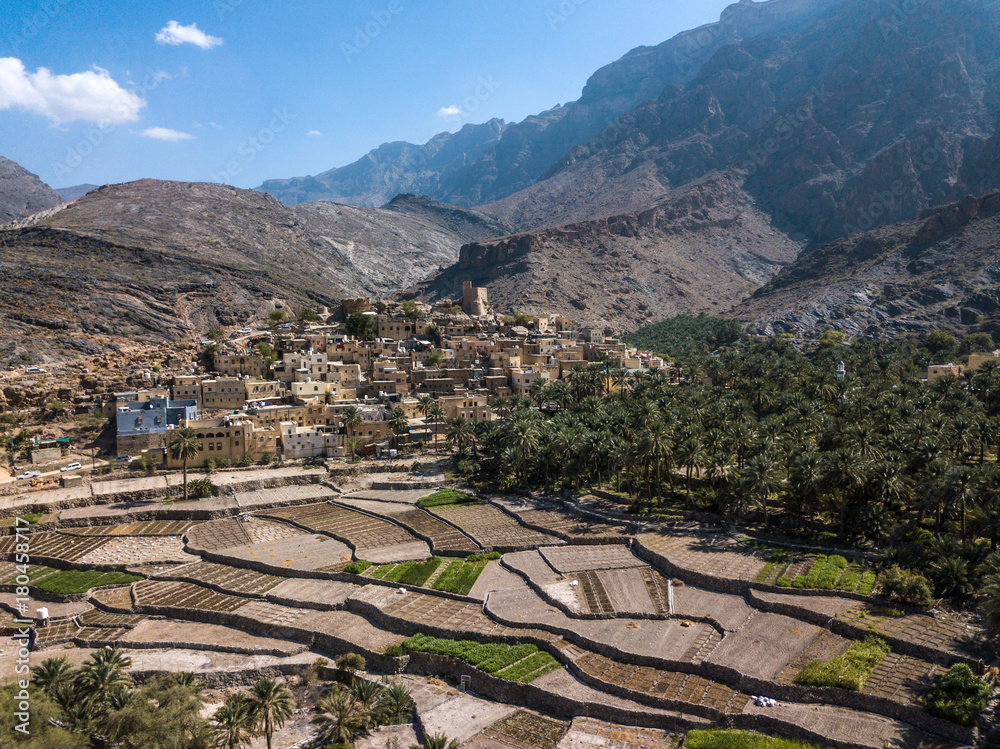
(245, 331)
(34, 370)
(29, 475)
(123, 459)
(71, 467)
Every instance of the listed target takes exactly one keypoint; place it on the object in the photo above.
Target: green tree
(232, 723)
(183, 446)
(270, 706)
(339, 716)
(276, 317)
(437, 741)
(361, 326)
(399, 423)
(308, 314)
(436, 414)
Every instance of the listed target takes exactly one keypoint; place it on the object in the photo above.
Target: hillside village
(366, 379)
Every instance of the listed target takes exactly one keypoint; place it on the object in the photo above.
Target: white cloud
(174, 33)
(165, 133)
(91, 95)
(449, 111)
(315, 133)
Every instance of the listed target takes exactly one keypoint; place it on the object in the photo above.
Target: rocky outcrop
(22, 193)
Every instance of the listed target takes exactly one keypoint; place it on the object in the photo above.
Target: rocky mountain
(864, 117)
(483, 163)
(156, 261)
(74, 192)
(22, 193)
(940, 270)
(703, 246)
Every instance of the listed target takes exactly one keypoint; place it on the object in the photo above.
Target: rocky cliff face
(22, 193)
(705, 244)
(488, 162)
(939, 270)
(861, 118)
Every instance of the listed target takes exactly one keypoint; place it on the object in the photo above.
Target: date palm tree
(270, 706)
(437, 741)
(339, 716)
(232, 723)
(184, 446)
(436, 414)
(399, 423)
(52, 673)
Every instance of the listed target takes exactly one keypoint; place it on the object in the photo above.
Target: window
(218, 446)
(211, 447)
(138, 421)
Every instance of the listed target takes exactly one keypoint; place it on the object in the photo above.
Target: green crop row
(847, 671)
(69, 582)
(513, 662)
(459, 576)
(409, 573)
(444, 497)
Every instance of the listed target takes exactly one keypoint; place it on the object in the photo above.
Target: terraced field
(592, 624)
(492, 528)
(372, 538)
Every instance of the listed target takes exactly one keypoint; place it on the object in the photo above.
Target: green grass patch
(867, 583)
(718, 738)
(960, 697)
(511, 662)
(784, 582)
(459, 576)
(823, 574)
(444, 497)
(765, 574)
(847, 671)
(69, 582)
(409, 573)
(357, 567)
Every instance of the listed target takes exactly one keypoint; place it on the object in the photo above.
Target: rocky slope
(705, 245)
(864, 117)
(939, 270)
(22, 193)
(483, 163)
(155, 261)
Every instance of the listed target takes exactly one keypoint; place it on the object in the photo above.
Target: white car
(71, 467)
(29, 475)
(244, 330)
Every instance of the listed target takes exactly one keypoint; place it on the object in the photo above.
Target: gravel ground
(587, 733)
(627, 591)
(731, 612)
(826, 605)
(303, 589)
(576, 558)
(166, 630)
(303, 552)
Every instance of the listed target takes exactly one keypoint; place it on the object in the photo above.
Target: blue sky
(245, 90)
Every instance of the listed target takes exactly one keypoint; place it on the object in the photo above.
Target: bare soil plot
(457, 617)
(851, 727)
(95, 618)
(710, 554)
(8, 602)
(671, 685)
(658, 588)
(404, 735)
(374, 539)
(825, 647)
(829, 606)
(492, 528)
(569, 559)
(274, 614)
(303, 551)
(559, 519)
(659, 638)
(940, 632)
(444, 538)
(627, 590)
(155, 631)
(521, 730)
(903, 679)
(61, 546)
(116, 598)
(730, 611)
(462, 716)
(233, 532)
(327, 592)
(403, 496)
(231, 579)
(146, 528)
(138, 550)
(354, 629)
(532, 564)
(283, 495)
(764, 645)
(493, 577)
(594, 594)
(588, 733)
(184, 595)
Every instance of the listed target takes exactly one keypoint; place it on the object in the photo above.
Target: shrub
(847, 671)
(148, 464)
(487, 557)
(245, 462)
(505, 661)
(357, 567)
(395, 651)
(266, 458)
(903, 586)
(960, 696)
(444, 497)
(201, 488)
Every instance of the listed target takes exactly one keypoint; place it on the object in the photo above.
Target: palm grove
(772, 437)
